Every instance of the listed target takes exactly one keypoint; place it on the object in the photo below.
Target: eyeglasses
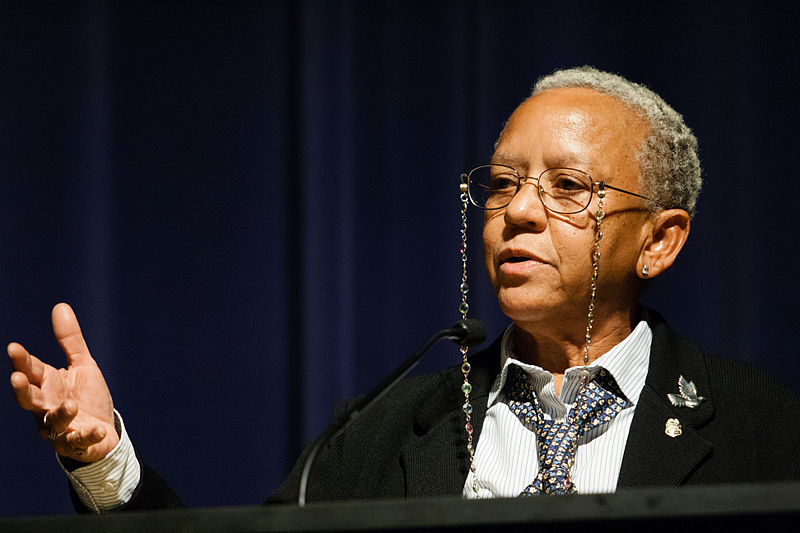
(562, 190)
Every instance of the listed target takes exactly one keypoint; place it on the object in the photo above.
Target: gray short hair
(668, 163)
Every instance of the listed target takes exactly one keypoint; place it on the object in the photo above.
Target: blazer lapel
(655, 455)
(436, 462)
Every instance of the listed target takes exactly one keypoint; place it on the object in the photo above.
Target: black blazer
(412, 443)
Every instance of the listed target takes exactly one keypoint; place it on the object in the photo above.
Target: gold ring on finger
(53, 434)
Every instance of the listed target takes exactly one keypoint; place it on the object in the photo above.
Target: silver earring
(645, 271)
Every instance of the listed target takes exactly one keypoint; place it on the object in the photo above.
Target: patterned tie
(557, 441)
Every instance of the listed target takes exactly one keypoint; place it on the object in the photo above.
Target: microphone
(466, 332)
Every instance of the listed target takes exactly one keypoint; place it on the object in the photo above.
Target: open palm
(72, 406)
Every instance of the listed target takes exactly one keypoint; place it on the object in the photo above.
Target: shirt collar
(628, 362)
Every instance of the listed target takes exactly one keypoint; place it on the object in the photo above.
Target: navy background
(253, 206)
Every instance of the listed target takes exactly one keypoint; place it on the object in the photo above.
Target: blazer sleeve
(152, 493)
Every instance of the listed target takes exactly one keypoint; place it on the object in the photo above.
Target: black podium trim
(734, 507)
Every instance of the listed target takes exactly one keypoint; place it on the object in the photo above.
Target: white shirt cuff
(108, 483)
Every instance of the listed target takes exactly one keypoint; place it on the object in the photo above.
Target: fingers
(28, 380)
(28, 397)
(69, 336)
(69, 442)
(84, 438)
(77, 444)
(26, 363)
(56, 421)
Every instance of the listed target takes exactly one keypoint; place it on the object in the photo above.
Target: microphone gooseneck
(467, 332)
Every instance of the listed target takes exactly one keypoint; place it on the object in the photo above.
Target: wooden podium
(692, 509)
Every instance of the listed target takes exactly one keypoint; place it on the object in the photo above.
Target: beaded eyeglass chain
(463, 308)
(466, 387)
(598, 234)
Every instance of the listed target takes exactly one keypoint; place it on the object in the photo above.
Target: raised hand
(72, 406)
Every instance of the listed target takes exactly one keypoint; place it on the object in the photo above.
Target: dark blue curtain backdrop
(253, 206)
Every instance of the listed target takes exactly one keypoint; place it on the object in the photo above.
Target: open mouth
(511, 255)
(518, 262)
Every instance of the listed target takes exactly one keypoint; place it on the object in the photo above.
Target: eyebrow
(565, 160)
(503, 158)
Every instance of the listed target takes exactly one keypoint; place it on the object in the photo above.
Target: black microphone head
(469, 332)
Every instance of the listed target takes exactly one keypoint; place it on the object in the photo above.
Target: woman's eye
(503, 181)
(566, 183)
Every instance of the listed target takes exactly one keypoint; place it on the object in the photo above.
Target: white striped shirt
(506, 459)
(109, 482)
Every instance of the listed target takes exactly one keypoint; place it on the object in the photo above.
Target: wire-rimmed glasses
(562, 190)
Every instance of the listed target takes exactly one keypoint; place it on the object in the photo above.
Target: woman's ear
(668, 231)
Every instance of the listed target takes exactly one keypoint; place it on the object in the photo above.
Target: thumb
(68, 334)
